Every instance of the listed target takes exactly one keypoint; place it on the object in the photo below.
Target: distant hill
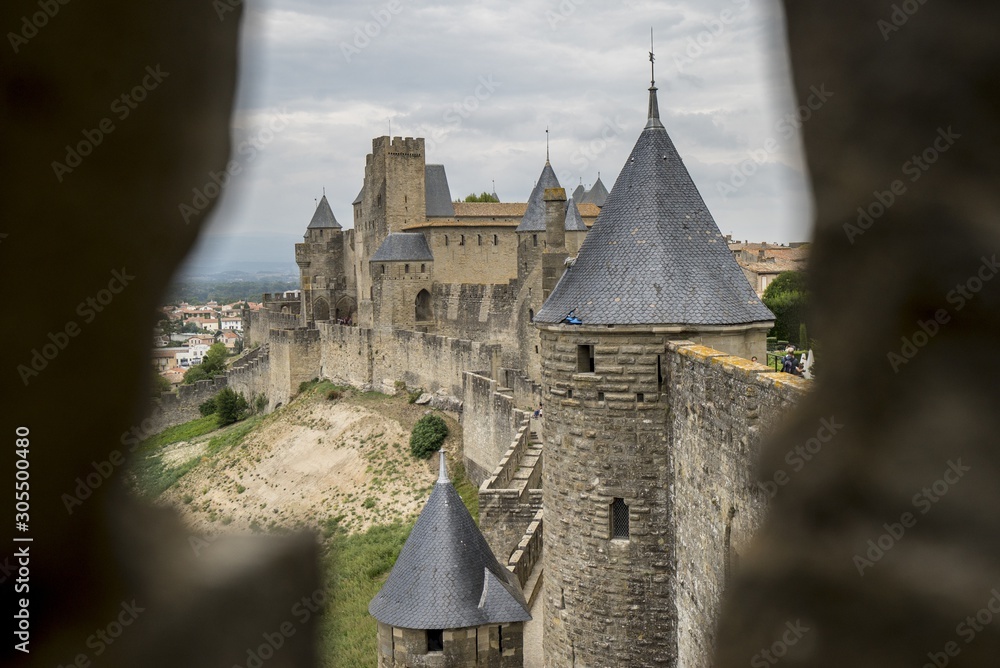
(230, 286)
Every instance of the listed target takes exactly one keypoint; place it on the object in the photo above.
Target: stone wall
(381, 358)
(720, 406)
(250, 374)
(529, 550)
(490, 423)
(295, 359)
(257, 324)
(526, 392)
(467, 254)
(471, 647)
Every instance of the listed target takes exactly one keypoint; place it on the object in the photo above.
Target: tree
(160, 385)
(212, 364)
(427, 436)
(214, 360)
(482, 197)
(230, 406)
(788, 298)
(194, 374)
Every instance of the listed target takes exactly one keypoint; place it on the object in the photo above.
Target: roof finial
(442, 472)
(654, 107)
(546, 144)
(324, 191)
(652, 72)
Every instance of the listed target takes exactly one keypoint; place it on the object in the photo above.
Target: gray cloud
(572, 65)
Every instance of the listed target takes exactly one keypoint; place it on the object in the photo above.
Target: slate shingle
(323, 217)
(403, 247)
(534, 215)
(437, 194)
(446, 576)
(655, 254)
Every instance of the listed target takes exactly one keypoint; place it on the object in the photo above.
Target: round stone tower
(654, 267)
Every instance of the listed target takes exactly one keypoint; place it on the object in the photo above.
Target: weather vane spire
(652, 58)
(654, 107)
(546, 144)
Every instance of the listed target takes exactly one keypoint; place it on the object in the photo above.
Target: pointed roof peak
(446, 576)
(442, 469)
(654, 107)
(534, 213)
(323, 218)
(655, 255)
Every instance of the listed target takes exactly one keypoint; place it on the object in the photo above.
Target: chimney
(555, 218)
(554, 256)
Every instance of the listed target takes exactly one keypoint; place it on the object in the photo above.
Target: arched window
(534, 239)
(423, 268)
(461, 241)
(406, 268)
(531, 315)
(446, 240)
(321, 310)
(422, 307)
(479, 240)
(495, 240)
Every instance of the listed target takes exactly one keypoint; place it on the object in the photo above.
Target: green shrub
(208, 407)
(427, 436)
(334, 395)
(230, 406)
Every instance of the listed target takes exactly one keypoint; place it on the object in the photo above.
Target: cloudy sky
(481, 80)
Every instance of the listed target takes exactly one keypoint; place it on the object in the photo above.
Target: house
(229, 338)
(234, 324)
(191, 356)
(164, 358)
(762, 262)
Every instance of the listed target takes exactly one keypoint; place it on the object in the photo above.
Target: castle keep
(623, 513)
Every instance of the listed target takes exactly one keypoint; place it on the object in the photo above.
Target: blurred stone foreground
(904, 79)
(915, 102)
(113, 584)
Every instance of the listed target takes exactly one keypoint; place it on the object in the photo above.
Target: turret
(447, 601)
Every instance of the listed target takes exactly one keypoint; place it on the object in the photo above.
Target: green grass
(182, 432)
(357, 566)
(153, 477)
(233, 436)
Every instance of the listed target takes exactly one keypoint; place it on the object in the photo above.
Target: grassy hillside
(175, 466)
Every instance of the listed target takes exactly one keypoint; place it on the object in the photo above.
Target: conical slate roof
(597, 194)
(654, 254)
(574, 222)
(446, 576)
(579, 192)
(323, 218)
(534, 215)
